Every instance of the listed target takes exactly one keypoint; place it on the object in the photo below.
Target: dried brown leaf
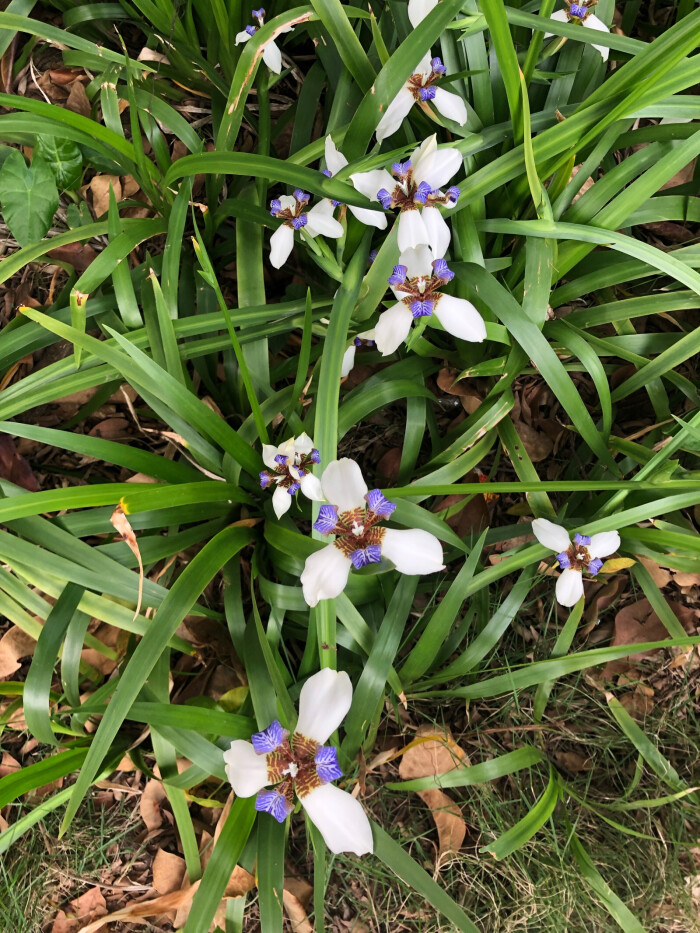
(14, 645)
(99, 186)
(448, 819)
(149, 805)
(296, 913)
(431, 753)
(168, 872)
(121, 523)
(78, 101)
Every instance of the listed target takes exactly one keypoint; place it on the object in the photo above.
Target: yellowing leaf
(617, 563)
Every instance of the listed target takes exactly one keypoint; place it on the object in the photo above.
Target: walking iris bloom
(584, 553)
(302, 765)
(415, 191)
(291, 210)
(349, 355)
(416, 283)
(354, 519)
(271, 52)
(419, 89)
(335, 161)
(579, 14)
(291, 464)
(419, 9)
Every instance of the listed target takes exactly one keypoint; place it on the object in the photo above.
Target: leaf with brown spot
(14, 645)
(168, 872)
(121, 523)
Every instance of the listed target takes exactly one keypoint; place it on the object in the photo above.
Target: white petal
(272, 57)
(438, 167)
(451, 106)
(552, 536)
(242, 37)
(418, 261)
(392, 328)
(311, 487)
(412, 230)
(593, 22)
(424, 66)
(286, 200)
(369, 218)
(419, 9)
(460, 318)
(412, 551)
(303, 444)
(335, 160)
(561, 17)
(369, 183)
(281, 501)
(343, 485)
(287, 448)
(395, 114)
(569, 588)
(437, 232)
(281, 245)
(340, 819)
(348, 361)
(604, 543)
(245, 769)
(321, 220)
(366, 334)
(325, 574)
(324, 702)
(269, 452)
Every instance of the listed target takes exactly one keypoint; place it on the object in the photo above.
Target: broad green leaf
(28, 196)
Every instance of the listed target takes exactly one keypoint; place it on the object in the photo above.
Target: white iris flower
(272, 56)
(301, 765)
(417, 284)
(419, 89)
(291, 464)
(291, 209)
(335, 161)
(580, 14)
(353, 518)
(583, 553)
(415, 191)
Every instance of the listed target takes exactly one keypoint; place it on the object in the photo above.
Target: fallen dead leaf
(431, 753)
(659, 575)
(168, 872)
(537, 444)
(296, 913)
(637, 623)
(90, 906)
(99, 186)
(149, 805)
(121, 523)
(14, 467)
(14, 645)
(152, 908)
(448, 819)
(78, 101)
(573, 762)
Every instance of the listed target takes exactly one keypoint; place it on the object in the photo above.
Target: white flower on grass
(584, 553)
(415, 191)
(292, 211)
(302, 765)
(419, 89)
(271, 52)
(291, 464)
(349, 355)
(419, 9)
(353, 518)
(416, 283)
(579, 14)
(335, 161)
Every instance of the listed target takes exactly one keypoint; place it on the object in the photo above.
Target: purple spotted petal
(300, 221)
(373, 253)
(438, 67)
(274, 803)
(265, 480)
(379, 504)
(327, 519)
(371, 554)
(326, 760)
(281, 459)
(427, 93)
(421, 308)
(564, 561)
(595, 565)
(327, 172)
(251, 30)
(442, 270)
(398, 276)
(578, 10)
(315, 456)
(357, 342)
(401, 168)
(295, 487)
(582, 540)
(258, 14)
(452, 193)
(384, 198)
(269, 739)
(423, 193)
(301, 196)
(275, 203)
